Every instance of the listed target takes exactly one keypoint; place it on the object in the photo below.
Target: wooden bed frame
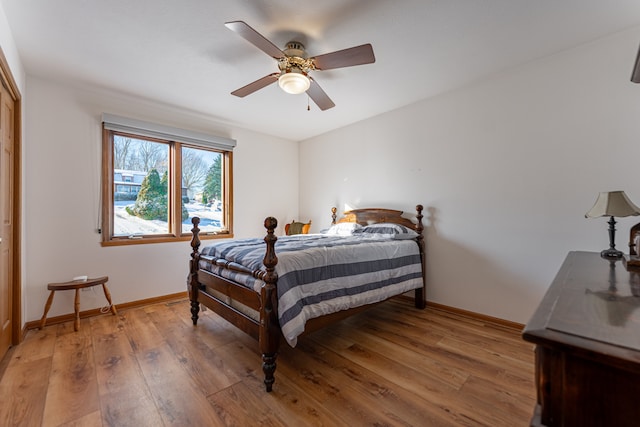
(267, 329)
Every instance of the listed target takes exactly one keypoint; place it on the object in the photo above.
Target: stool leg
(47, 306)
(108, 296)
(76, 305)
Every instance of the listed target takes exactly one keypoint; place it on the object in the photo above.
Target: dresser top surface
(594, 299)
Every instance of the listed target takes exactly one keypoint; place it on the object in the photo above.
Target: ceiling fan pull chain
(308, 107)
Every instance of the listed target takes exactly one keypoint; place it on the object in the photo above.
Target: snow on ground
(127, 225)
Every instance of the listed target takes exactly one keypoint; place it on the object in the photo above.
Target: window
(157, 178)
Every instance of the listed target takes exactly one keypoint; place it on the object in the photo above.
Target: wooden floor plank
(209, 377)
(403, 358)
(41, 345)
(392, 365)
(217, 330)
(93, 419)
(412, 393)
(483, 362)
(357, 395)
(140, 331)
(287, 404)
(73, 386)
(22, 399)
(490, 357)
(125, 398)
(179, 401)
(22, 396)
(238, 406)
(491, 403)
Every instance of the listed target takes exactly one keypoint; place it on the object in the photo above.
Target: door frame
(9, 82)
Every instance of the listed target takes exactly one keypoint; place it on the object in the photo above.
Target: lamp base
(611, 253)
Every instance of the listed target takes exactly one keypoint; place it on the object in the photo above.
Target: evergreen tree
(163, 191)
(164, 182)
(151, 202)
(152, 199)
(212, 183)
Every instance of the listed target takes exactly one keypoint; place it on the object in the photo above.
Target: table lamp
(612, 204)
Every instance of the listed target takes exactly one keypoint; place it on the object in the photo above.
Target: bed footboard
(269, 327)
(194, 285)
(421, 293)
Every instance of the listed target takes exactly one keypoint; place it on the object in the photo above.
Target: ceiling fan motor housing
(295, 59)
(294, 48)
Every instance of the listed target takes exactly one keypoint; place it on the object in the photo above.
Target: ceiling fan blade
(257, 85)
(357, 55)
(635, 76)
(255, 38)
(321, 99)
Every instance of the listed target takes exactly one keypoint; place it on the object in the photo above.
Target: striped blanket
(321, 274)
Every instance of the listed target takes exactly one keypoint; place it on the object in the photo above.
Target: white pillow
(389, 230)
(343, 229)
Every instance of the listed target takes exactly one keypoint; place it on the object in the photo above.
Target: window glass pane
(202, 189)
(140, 186)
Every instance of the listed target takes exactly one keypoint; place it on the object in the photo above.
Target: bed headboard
(368, 216)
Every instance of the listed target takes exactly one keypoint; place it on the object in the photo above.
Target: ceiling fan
(295, 66)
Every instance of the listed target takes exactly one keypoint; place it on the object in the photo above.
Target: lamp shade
(294, 82)
(613, 203)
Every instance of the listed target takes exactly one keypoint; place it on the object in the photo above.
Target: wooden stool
(77, 285)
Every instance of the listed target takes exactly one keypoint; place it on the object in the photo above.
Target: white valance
(153, 130)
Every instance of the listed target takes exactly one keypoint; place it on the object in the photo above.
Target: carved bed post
(421, 294)
(270, 330)
(333, 215)
(193, 285)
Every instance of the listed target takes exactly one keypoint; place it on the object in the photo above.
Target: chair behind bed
(297, 228)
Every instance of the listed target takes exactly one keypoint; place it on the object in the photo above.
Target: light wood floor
(391, 365)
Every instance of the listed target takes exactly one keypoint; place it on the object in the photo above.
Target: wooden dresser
(587, 336)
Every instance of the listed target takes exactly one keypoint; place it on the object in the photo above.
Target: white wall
(10, 51)
(507, 168)
(61, 191)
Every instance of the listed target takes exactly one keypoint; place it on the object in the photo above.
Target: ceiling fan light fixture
(294, 82)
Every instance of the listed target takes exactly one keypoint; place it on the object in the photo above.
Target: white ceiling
(178, 52)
